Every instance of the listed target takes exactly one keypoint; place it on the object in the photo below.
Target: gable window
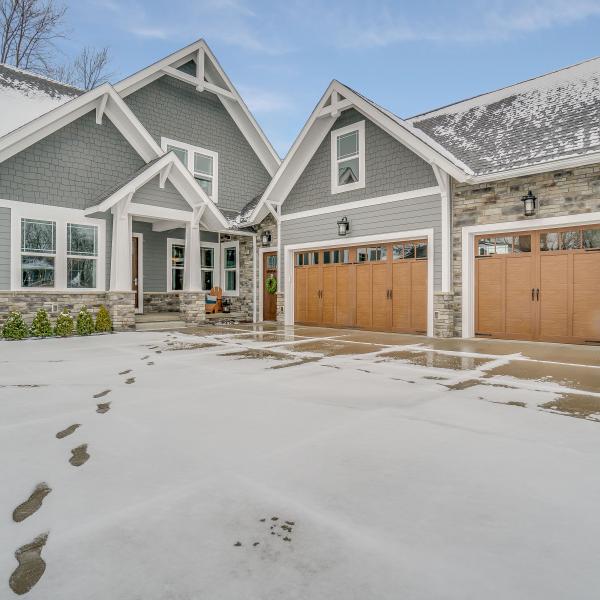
(176, 258)
(38, 253)
(202, 163)
(230, 257)
(348, 158)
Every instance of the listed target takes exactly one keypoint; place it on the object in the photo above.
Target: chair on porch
(214, 301)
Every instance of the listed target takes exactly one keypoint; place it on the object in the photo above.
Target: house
(478, 218)
(426, 225)
(131, 195)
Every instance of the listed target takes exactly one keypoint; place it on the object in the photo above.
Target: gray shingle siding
(4, 248)
(71, 166)
(168, 197)
(404, 215)
(174, 109)
(390, 168)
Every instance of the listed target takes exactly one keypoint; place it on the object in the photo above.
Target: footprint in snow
(145, 357)
(101, 394)
(80, 455)
(150, 363)
(130, 380)
(68, 431)
(31, 565)
(32, 504)
(103, 407)
(125, 372)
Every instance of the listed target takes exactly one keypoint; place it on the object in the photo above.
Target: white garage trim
(468, 254)
(290, 249)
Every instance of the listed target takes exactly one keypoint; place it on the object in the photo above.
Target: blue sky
(407, 56)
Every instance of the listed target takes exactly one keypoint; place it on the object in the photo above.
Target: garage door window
(409, 250)
(336, 256)
(505, 244)
(374, 254)
(591, 238)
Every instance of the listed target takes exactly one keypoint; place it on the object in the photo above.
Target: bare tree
(90, 67)
(28, 30)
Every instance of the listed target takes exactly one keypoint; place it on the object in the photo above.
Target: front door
(135, 252)
(269, 300)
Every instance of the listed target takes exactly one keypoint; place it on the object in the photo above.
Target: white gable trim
(338, 97)
(170, 167)
(105, 101)
(229, 96)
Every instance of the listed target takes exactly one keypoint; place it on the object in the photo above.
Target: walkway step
(158, 325)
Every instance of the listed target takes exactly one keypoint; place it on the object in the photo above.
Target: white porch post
(191, 265)
(120, 262)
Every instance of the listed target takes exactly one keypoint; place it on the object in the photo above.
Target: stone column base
(443, 315)
(121, 306)
(280, 318)
(191, 307)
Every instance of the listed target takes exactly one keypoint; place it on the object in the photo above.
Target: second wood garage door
(381, 287)
(539, 285)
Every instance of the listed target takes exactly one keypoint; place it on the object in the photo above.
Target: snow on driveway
(242, 466)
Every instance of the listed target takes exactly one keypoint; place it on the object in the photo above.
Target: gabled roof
(337, 98)
(105, 101)
(25, 96)
(167, 167)
(209, 77)
(554, 117)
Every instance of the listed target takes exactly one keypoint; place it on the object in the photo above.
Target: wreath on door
(271, 284)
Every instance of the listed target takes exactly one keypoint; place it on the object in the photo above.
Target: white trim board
(140, 237)
(288, 256)
(468, 253)
(430, 191)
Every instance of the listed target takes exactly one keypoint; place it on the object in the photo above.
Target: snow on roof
(552, 117)
(25, 96)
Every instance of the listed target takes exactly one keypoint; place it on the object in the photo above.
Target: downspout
(254, 288)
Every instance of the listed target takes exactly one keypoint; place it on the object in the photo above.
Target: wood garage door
(380, 287)
(539, 285)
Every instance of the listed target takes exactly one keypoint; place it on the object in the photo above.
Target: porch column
(191, 266)
(120, 262)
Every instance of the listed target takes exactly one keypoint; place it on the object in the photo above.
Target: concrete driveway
(265, 462)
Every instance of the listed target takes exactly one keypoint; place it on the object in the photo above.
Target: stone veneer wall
(567, 192)
(119, 304)
(161, 302)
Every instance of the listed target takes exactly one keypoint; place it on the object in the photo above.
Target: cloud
(151, 32)
(468, 22)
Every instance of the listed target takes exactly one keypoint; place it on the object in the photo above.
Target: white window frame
(216, 263)
(224, 245)
(61, 217)
(170, 243)
(164, 142)
(335, 134)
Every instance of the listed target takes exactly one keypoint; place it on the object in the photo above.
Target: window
(504, 244)
(231, 268)
(408, 250)
(209, 265)
(176, 257)
(38, 253)
(348, 158)
(202, 163)
(371, 254)
(82, 252)
(591, 238)
(56, 248)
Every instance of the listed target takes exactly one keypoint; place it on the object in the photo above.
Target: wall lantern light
(343, 226)
(266, 238)
(529, 204)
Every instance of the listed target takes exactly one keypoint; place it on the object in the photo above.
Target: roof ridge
(42, 77)
(506, 88)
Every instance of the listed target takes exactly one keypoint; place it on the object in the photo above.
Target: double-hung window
(202, 163)
(230, 259)
(38, 253)
(209, 265)
(348, 158)
(82, 255)
(176, 264)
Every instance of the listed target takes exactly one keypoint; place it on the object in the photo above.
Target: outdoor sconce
(266, 238)
(343, 226)
(529, 204)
